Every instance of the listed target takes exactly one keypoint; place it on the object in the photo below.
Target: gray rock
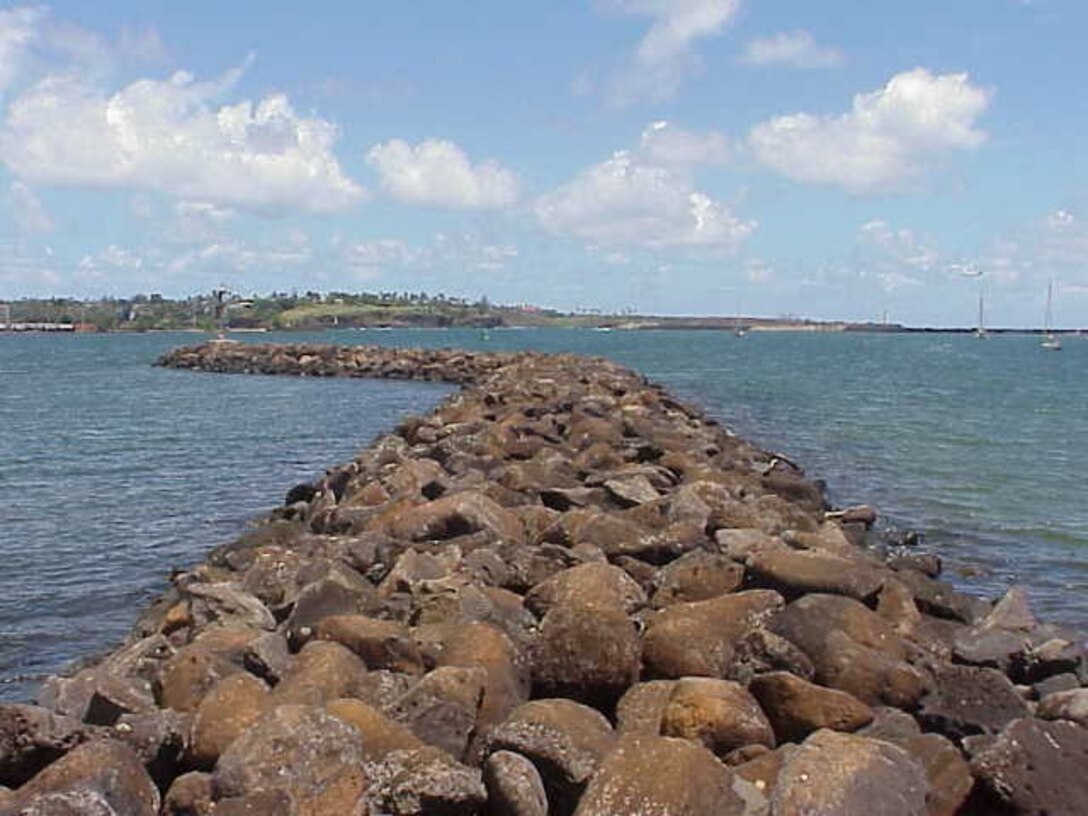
(1034, 767)
(514, 787)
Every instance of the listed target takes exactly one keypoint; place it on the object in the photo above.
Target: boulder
(564, 740)
(641, 709)
(796, 707)
(190, 794)
(300, 752)
(796, 573)
(514, 787)
(424, 782)
(698, 638)
(381, 644)
(441, 707)
(948, 774)
(659, 776)
(718, 714)
(586, 652)
(1033, 767)
(1065, 705)
(507, 680)
(381, 734)
(696, 576)
(233, 705)
(455, 515)
(969, 700)
(194, 670)
(852, 649)
(100, 777)
(338, 593)
(33, 737)
(596, 584)
(322, 671)
(833, 774)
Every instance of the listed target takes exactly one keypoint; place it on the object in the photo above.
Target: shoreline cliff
(562, 591)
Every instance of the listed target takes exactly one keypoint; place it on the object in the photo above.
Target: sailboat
(1051, 341)
(980, 330)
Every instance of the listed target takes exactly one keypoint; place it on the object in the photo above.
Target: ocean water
(113, 472)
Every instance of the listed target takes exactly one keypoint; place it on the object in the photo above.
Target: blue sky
(829, 160)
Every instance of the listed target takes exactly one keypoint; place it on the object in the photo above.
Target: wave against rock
(561, 592)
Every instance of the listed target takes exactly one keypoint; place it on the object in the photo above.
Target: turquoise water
(113, 472)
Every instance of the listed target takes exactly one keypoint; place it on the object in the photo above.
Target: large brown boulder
(441, 708)
(834, 774)
(698, 638)
(506, 679)
(381, 734)
(659, 776)
(696, 576)
(719, 714)
(586, 652)
(948, 774)
(642, 707)
(322, 671)
(796, 573)
(1033, 767)
(300, 752)
(31, 738)
(381, 644)
(796, 707)
(456, 515)
(595, 583)
(195, 669)
(566, 742)
(99, 777)
(233, 705)
(852, 649)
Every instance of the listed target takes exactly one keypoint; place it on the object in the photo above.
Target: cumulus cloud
(664, 143)
(665, 55)
(895, 256)
(646, 197)
(1055, 246)
(792, 49)
(173, 136)
(27, 209)
(886, 143)
(18, 28)
(437, 173)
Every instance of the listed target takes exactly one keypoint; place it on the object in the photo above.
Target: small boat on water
(1051, 341)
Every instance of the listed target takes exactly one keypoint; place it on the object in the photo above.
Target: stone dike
(561, 592)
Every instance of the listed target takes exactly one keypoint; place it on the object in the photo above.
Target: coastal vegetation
(309, 311)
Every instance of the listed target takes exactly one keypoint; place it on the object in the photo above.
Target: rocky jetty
(561, 592)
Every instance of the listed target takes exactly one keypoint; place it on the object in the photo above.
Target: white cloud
(886, 143)
(18, 28)
(27, 209)
(198, 222)
(627, 200)
(793, 49)
(1055, 246)
(896, 257)
(665, 144)
(665, 55)
(174, 137)
(437, 173)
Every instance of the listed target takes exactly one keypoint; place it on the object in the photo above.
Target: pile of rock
(561, 592)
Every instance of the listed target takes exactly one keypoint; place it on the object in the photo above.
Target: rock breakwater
(561, 592)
